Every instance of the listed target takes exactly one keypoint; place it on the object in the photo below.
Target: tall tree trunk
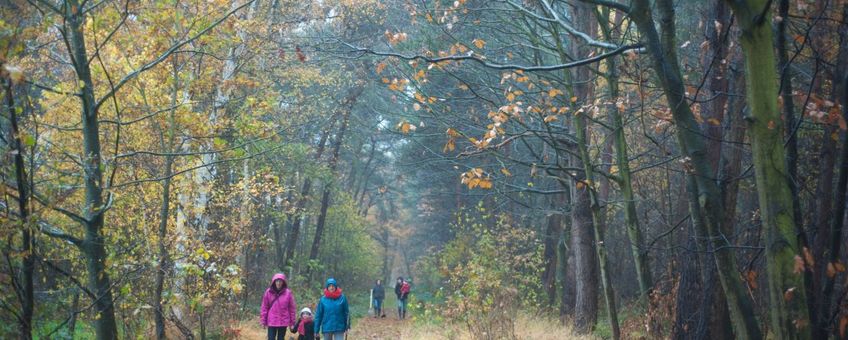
(631, 219)
(730, 170)
(94, 244)
(788, 302)
(714, 62)
(663, 54)
(296, 217)
(163, 266)
(549, 255)
(585, 262)
(565, 272)
(25, 287)
(832, 252)
(334, 161)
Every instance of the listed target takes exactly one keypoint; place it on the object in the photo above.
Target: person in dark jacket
(402, 291)
(379, 294)
(304, 327)
(332, 316)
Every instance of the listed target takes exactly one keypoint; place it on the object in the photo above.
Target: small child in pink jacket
(278, 308)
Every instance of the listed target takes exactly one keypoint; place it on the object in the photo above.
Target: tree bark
(296, 218)
(163, 266)
(663, 54)
(549, 256)
(25, 287)
(94, 244)
(835, 233)
(334, 161)
(788, 302)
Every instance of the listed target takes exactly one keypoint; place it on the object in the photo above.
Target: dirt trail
(367, 328)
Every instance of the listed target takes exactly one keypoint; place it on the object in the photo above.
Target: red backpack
(404, 288)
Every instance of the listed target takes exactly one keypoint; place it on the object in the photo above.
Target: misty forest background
(586, 168)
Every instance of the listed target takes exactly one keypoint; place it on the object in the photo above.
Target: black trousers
(276, 333)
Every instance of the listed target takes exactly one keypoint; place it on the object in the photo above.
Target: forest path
(367, 328)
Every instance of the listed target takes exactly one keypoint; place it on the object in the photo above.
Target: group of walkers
(332, 313)
(378, 294)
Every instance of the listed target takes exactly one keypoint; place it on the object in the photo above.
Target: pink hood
(278, 308)
(280, 276)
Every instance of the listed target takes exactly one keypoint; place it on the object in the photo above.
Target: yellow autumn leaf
(574, 99)
(506, 172)
(549, 119)
(480, 43)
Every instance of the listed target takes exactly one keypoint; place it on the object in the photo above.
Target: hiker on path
(304, 327)
(278, 308)
(379, 294)
(332, 316)
(402, 291)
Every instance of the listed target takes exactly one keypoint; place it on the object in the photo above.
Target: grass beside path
(390, 328)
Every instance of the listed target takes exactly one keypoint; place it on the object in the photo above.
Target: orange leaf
(751, 277)
(789, 294)
(808, 257)
(799, 264)
(843, 324)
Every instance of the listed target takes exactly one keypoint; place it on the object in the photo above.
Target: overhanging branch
(470, 56)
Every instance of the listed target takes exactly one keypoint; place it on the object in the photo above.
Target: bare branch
(481, 61)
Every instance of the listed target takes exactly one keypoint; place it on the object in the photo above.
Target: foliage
(486, 274)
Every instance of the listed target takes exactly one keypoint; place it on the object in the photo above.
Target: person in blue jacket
(332, 316)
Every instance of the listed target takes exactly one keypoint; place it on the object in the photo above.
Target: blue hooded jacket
(332, 315)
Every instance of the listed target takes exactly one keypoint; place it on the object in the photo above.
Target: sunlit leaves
(476, 178)
(395, 38)
(406, 127)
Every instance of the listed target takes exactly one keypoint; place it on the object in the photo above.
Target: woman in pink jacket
(278, 308)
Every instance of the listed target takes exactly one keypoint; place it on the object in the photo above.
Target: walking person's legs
(376, 308)
(403, 309)
(334, 336)
(276, 333)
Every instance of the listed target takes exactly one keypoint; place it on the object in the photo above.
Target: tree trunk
(788, 303)
(549, 256)
(835, 234)
(164, 212)
(296, 218)
(585, 262)
(325, 200)
(664, 57)
(25, 287)
(565, 272)
(631, 219)
(94, 244)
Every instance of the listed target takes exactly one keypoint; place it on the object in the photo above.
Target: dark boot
(404, 314)
(399, 315)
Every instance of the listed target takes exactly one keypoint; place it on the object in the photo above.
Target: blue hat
(331, 281)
